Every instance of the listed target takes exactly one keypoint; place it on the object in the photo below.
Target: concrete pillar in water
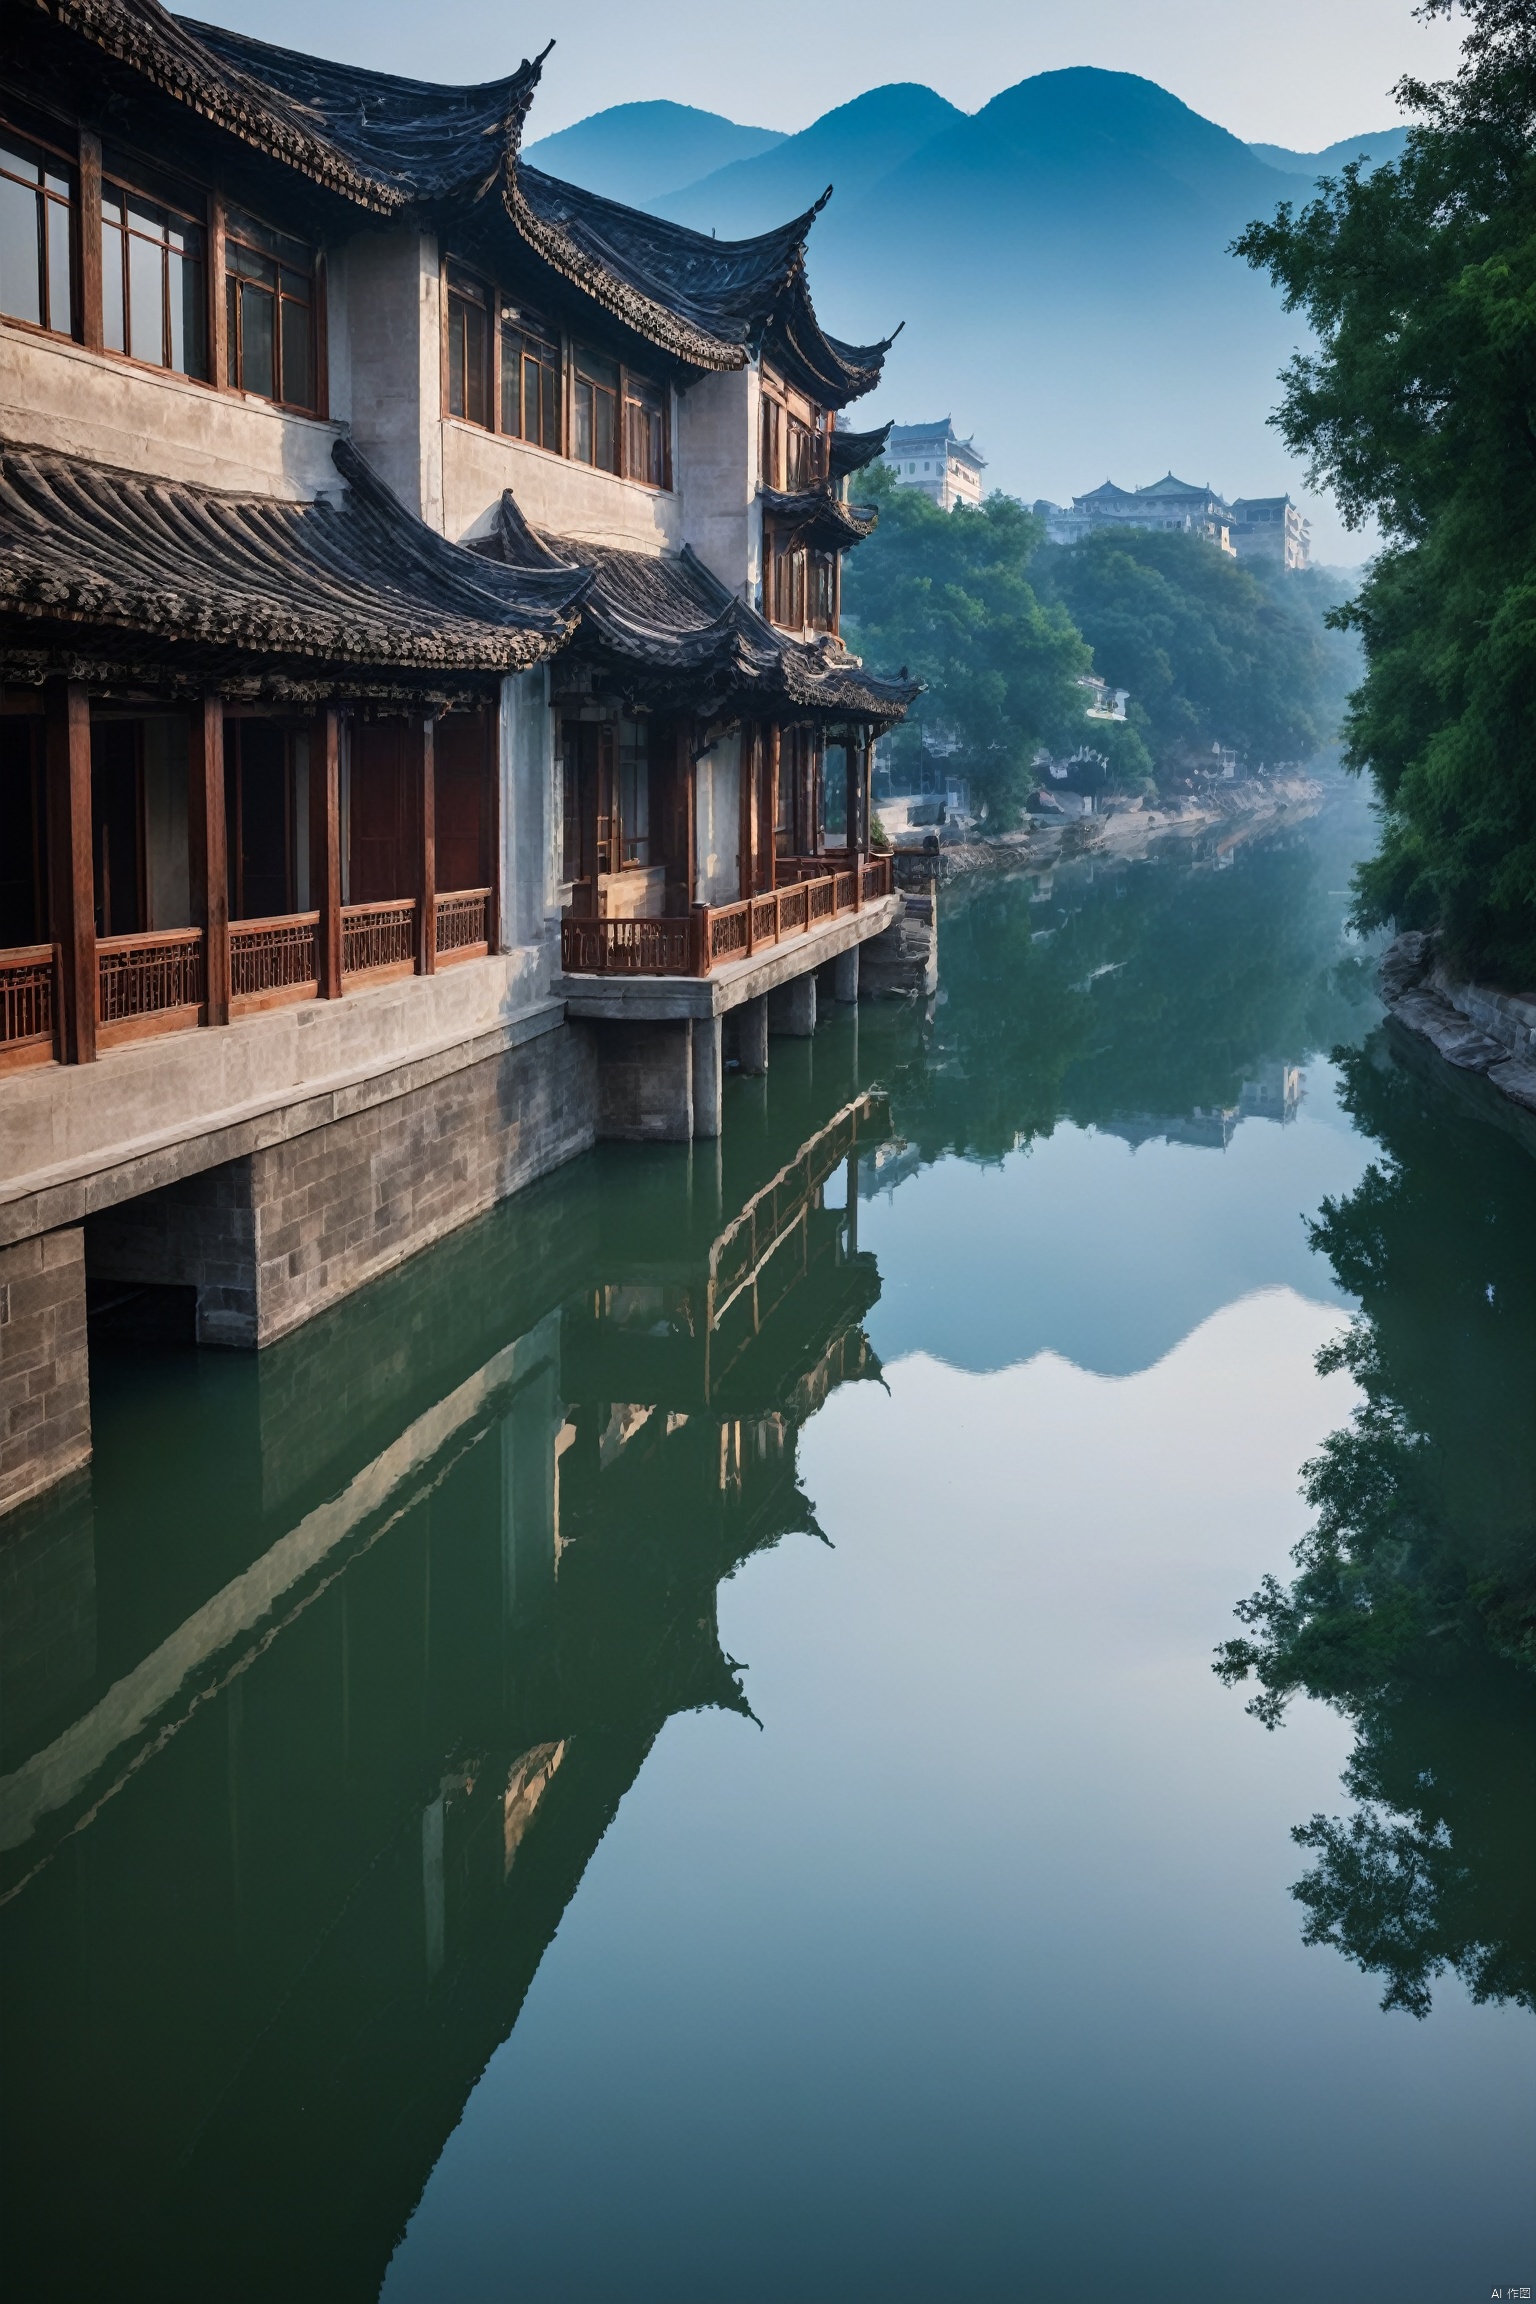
(845, 976)
(792, 1008)
(752, 1035)
(645, 1081)
(708, 1075)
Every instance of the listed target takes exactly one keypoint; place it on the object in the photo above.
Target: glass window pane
(455, 357)
(549, 395)
(474, 363)
(112, 287)
(531, 428)
(146, 300)
(232, 331)
(21, 284)
(21, 160)
(258, 370)
(605, 442)
(188, 352)
(143, 217)
(581, 409)
(511, 412)
(60, 302)
(298, 364)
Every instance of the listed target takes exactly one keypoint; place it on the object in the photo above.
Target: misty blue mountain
(1061, 259)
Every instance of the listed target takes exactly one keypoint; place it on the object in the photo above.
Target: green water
(669, 1750)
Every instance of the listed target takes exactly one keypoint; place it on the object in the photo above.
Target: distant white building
(1252, 528)
(933, 458)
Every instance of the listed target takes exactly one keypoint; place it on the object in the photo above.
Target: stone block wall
(270, 1240)
(645, 1080)
(45, 1401)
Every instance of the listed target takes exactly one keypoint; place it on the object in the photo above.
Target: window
(800, 457)
(37, 193)
(645, 432)
(634, 792)
(594, 412)
(469, 350)
(789, 570)
(530, 378)
(153, 283)
(824, 591)
(773, 425)
(269, 312)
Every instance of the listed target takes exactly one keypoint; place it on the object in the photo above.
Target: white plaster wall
(560, 497)
(530, 813)
(56, 395)
(166, 861)
(717, 823)
(717, 435)
(394, 335)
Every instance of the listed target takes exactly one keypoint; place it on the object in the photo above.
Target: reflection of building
(935, 460)
(310, 1726)
(1275, 1093)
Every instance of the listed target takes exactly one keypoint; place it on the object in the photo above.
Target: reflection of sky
(973, 1975)
(1108, 1256)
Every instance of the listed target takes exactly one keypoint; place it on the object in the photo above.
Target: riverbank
(1474, 1027)
(1130, 831)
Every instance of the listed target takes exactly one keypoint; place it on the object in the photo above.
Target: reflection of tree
(1413, 1609)
(1151, 987)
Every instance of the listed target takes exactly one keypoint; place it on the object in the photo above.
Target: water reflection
(322, 1688)
(1414, 1608)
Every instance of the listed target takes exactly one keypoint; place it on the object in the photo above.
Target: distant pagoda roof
(1169, 486)
(162, 580)
(396, 147)
(668, 632)
(940, 435)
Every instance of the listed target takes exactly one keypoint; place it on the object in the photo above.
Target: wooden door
(382, 849)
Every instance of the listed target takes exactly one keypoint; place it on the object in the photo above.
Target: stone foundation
(270, 1240)
(45, 1399)
(645, 1080)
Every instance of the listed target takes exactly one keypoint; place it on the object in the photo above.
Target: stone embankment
(1473, 1026)
(1130, 831)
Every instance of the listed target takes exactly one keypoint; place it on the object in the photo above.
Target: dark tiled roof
(112, 558)
(392, 145)
(818, 517)
(670, 631)
(853, 451)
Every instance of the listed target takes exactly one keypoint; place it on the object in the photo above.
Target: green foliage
(1420, 408)
(948, 595)
(1413, 1609)
(1212, 652)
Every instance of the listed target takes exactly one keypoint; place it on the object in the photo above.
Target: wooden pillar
(71, 867)
(90, 240)
(773, 805)
(494, 803)
(851, 782)
(325, 849)
(426, 847)
(751, 740)
(207, 841)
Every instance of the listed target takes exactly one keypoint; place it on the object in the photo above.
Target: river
(669, 1750)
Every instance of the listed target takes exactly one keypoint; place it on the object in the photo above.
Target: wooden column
(497, 940)
(71, 868)
(325, 848)
(426, 847)
(773, 804)
(746, 794)
(90, 240)
(206, 845)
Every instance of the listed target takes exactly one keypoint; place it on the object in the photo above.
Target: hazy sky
(1296, 72)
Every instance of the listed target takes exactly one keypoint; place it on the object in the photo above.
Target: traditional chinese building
(934, 459)
(424, 731)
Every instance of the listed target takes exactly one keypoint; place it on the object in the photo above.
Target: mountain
(1062, 259)
(637, 152)
(1380, 145)
(851, 148)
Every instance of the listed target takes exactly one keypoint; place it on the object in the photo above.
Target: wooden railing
(637, 947)
(814, 889)
(28, 1005)
(273, 961)
(464, 924)
(379, 940)
(148, 984)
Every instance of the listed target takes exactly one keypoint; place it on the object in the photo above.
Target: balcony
(158, 982)
(814, 892)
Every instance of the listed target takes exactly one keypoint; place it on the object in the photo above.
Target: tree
(948, 595)
(1419, 407)
(1210, 652)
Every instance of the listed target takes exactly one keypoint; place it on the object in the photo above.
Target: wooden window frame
(532, 328)
(314, 271)
(192, 207)
(464, 287)
(67, 152)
